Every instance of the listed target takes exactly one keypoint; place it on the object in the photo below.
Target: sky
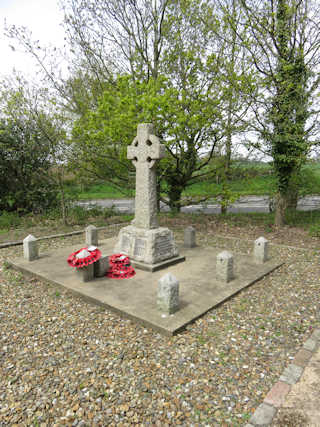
(42, 17)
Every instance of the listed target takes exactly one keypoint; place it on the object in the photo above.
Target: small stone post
(101, 266)
(225, 266)
(260, 250)
(189, 237)
(87, 272)
(91, 236)
(168, 294)
(30, 248)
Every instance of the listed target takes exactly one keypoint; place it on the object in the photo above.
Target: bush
(78, 214)
(25, 184)
(8, 220)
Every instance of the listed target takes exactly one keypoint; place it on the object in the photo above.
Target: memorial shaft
(144, 152)
(146, 197)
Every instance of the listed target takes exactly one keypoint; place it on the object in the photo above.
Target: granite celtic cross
(144, 151)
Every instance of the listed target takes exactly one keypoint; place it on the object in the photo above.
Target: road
(243, 204)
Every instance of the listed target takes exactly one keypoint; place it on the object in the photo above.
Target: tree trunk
(224, 209)
(292, 200)
(293, 194)
(229, 128)
(63, 201)
(174, 194)
(281, 205)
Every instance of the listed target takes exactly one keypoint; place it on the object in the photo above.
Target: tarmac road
(243, 204)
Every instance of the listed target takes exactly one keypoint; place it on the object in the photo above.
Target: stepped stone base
(159, 265)
(148, 249)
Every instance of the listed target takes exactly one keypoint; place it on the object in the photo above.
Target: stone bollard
(30, 248)
(86, 273)
(260, 250)
(225, 266)
(168, 294)
(189, 237)
(91, 235)
(101, 266)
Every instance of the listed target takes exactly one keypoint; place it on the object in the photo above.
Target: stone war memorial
(165, 286)
(149, 246)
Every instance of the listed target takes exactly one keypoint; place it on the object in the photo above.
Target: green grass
(100, 191)
(260, 185)
(257, 179)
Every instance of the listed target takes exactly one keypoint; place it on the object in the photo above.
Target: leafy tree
(24, 161)
(158, 61)
(238, 83)
(284, 45)
(104, 134)
(35, 120)
(170, 64)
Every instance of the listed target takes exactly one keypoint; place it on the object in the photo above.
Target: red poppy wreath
(83, 257)
(120, 267)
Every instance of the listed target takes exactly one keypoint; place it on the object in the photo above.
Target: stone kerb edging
(266, 411)
(54, 236)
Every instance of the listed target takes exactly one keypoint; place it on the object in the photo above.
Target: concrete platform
(135, 298)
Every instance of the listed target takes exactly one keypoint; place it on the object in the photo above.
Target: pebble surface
(66, 362)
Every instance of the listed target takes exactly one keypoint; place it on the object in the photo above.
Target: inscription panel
(163, 246)
(140, 247)
(125, 244)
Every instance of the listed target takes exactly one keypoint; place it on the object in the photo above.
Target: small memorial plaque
(125, 244)
(140, 247)
(163, 246)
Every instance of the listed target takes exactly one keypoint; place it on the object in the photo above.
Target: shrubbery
(25, 184)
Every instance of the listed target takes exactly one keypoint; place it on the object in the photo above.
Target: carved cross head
(146, 147)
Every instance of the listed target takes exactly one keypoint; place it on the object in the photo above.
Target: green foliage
(249, 170)
(8, 220)
(25, 157)
(285, 56)
(309, 180)
(314, 230)
(309, 220)
(107, 131)
(24, 163)
(178, 80)
(79, 214)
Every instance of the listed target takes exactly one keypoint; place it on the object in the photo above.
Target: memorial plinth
(149, 246)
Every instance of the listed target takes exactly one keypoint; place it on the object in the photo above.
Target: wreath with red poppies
(120, 267)
(79, 262)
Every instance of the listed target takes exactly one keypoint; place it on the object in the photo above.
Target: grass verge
(13, 227)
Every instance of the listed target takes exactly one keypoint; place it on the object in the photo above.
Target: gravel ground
(65, 362)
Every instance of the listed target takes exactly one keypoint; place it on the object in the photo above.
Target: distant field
(101, 191)
(255, 180)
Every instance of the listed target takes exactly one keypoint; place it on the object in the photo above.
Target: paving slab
(136, 298)
(304, 396)
(291, 374)
(263, 415)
